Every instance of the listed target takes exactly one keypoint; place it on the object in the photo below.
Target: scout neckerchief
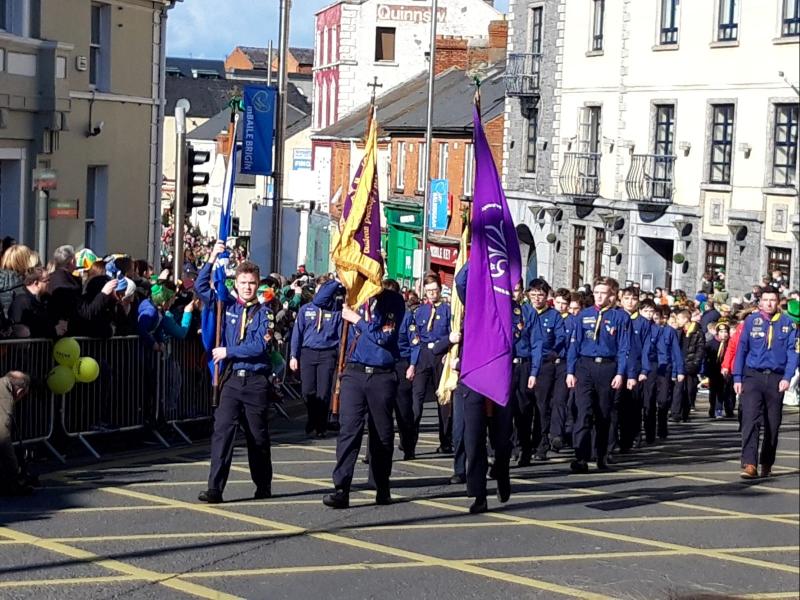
(247, 317)
(599, 322)
(634, 315)
(721, 349)
(690, 328)
(319, 320)
(772, 321)
(433, 315)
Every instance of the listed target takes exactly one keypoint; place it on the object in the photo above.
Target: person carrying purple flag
(486, 363)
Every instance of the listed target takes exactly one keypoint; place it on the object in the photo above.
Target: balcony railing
(522, 74)
(580, 175)
(650, 179)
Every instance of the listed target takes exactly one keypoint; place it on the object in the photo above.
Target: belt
(244, 373)
(764, 371)
(519, 360)
(361, 368)
(553, 359)
(600, 359)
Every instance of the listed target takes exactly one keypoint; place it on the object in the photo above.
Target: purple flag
(494, 270)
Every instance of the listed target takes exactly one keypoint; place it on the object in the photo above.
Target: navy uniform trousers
(522, 405)
(684, 395)
(317, 369)
(559, 416)
(243, 400)
(762, 407)
(426, 380)
(543, 392)
(365, 397)
(459, 450)
(594, 400)
(500, 426)
(404, 408)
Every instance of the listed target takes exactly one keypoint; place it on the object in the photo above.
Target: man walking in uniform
(522, 400)
(244, 399)
(404, 401)
(765, 362)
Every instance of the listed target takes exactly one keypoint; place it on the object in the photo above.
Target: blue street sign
(259, 128)
(440, 192)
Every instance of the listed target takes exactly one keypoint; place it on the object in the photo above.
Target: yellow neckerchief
(721, 349)
(433, 314)
(538, 312)
(245, 321)
(634, 315)
(600, 312)
(772, 321)
(690, 328)
(319, 320)
(564, 315)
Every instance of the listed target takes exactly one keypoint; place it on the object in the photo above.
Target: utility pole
(180, 188)
(280, 123)
(429, 136)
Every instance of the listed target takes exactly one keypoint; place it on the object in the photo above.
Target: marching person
(559, 404)
(368, 390)
(548, 339)
(765, 363)
(244, 358)
(430, 341)
(522, 400)
(693, 342)
(314, 351)
(596, 368)
(630, 409)
(664, 352)
(404, 401)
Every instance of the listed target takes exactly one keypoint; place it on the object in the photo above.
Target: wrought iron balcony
(522, 74)
(580, 174)
(651, 179)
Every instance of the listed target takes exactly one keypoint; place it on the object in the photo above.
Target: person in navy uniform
(368, 390)
(247, 331)
(314, 351)
(765, 362)
(548, 341)
(568, 305)
(663, 351)
(597, 368)
(630, 407)
(430, 341)
(404, 401)
(720, 393)
(523, 318)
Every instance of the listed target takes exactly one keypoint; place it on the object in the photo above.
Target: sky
(212, 28)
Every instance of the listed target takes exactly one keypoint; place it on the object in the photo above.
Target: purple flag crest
(371, 242)
(494, 270)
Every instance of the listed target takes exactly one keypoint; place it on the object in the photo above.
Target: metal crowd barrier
(35, 415)
(184, 388)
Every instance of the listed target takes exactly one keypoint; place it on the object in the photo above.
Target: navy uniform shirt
(663, 347)
(640, 332)
(552, 335)
(522, 318)
(319, 323)
(601, 333)
(375, 335)
(246, 328)
(570, 322)
(404, 335)
(431, 325)
(767, 343)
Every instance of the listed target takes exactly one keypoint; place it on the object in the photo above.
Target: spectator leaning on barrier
(29, 311)
(15, 263)
(155, 321)
(14, 387)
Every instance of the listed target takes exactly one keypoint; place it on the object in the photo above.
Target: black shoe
(444, 450)
(458, 479)
(524, 461)
(557, 444)
(479, 506)
(338, 499)
(540, 456)
(383, 498)
(365, 460)
(262, 493)
(602, 463)
(210, 496)
(409, 455)
(503, 490)
(579, 466)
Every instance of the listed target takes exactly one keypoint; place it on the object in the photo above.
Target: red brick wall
(238, 60)
(450, 52)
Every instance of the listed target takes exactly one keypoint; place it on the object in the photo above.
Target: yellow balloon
(60, 380)
(86, 369)
(66, 351)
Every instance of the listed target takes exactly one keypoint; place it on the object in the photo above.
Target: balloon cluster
(71, 367)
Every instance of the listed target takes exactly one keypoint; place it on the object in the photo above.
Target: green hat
(160, 294)
(793, 310)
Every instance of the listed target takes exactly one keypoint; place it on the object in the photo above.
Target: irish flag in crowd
(494, 269)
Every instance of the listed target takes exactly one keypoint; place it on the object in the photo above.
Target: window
(444, 155)
(779, 259)
(15, 17)
(422, 167)
(784, 153)
(589, 139)
(578, 254)
(4, 15)
(665, 129)
(599, 7)
(669, 22)
(469, 169)
(99, 60)
(599, 240)
(537, 15)
(531, 136)
(95, 212)
(400, 175)
(716, 258)
(728, 27)
(721, 144)
(790, 18)
(384, 44)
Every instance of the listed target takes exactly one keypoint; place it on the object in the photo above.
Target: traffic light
(234, 226)
(195, 178)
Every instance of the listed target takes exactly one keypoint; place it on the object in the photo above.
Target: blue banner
(259, 127)
(440, 193)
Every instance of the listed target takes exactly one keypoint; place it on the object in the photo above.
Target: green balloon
(66, 351)
(60, 380)
(86, 369)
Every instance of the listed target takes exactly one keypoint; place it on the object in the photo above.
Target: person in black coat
(29, 311)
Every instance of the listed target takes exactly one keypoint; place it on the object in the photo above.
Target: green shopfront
(404, 228)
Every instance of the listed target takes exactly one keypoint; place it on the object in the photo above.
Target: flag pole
(429, 136)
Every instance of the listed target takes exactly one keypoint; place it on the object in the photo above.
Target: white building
(358, 41)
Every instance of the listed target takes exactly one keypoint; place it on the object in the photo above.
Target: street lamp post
(280, 121)
(429, 137)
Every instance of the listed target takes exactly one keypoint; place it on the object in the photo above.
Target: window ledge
(779, 191)
(789, 39)
(724, 44)
(665, 47)
(527, 175)
(397, 190)
(419, 193)
(465, 198)
(386, 63)
(590, 53)
(716, 187)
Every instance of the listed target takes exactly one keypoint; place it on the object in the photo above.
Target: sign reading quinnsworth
(259, 127)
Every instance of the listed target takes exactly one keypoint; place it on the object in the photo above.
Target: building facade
(80, 104)
(655, 141)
